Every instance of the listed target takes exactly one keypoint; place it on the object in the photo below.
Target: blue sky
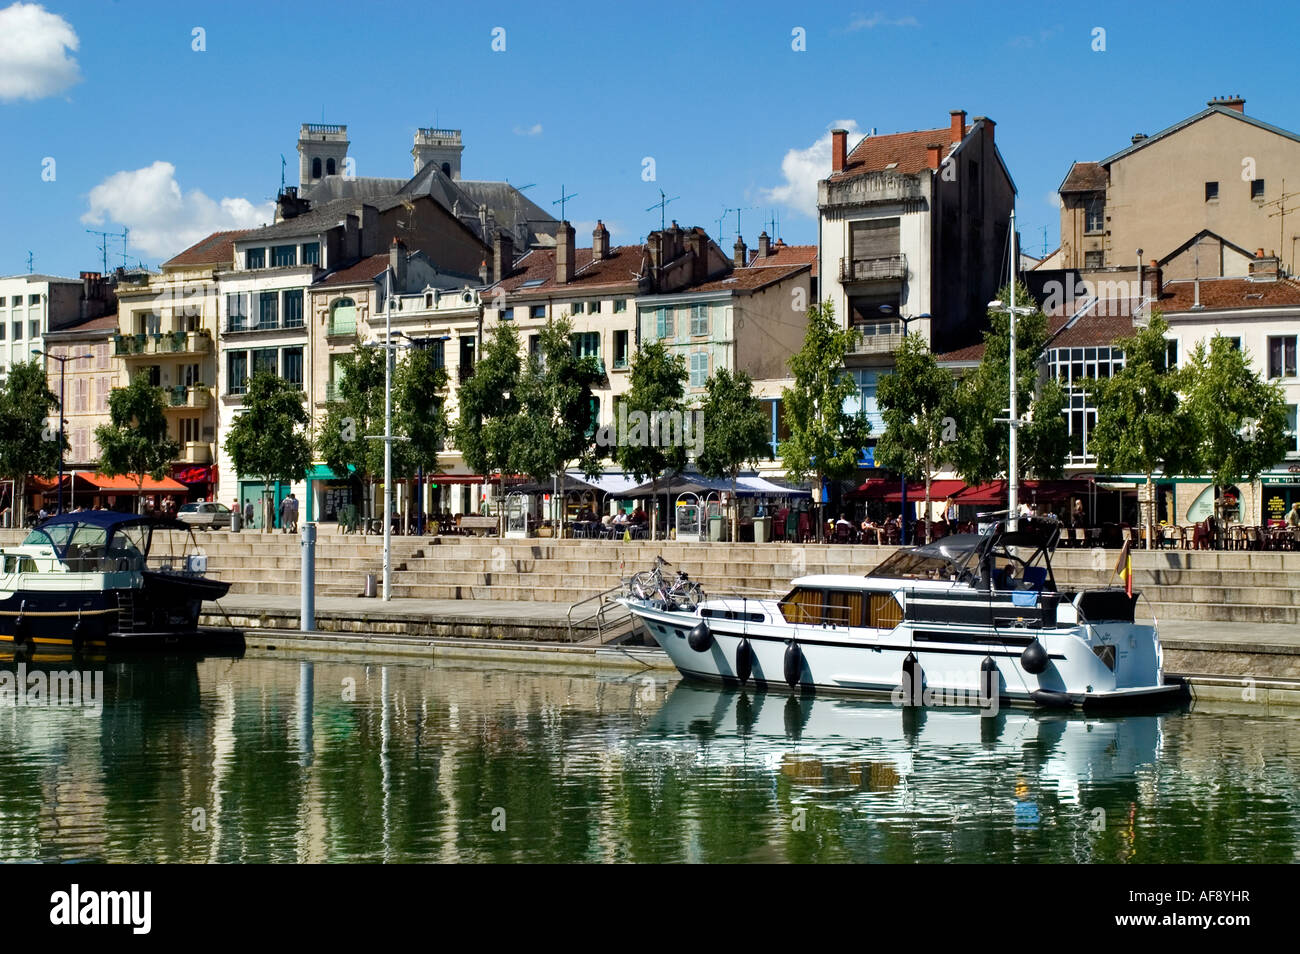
(146, 132)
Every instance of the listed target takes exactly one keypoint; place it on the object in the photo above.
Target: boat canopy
(977, 558)
(101, 540)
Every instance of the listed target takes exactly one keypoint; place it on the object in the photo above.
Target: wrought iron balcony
(880, 269)
(882, 337)
(194, 396)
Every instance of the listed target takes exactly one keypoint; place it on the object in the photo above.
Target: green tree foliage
(657, 390)
(135, 441)
(736, 431)
(29, 442)
(268, 438)
(981, 451)
(488, 405)
(1240, 419)
(918, 403)
(557, 423)
(418, 411)
(826, 440)
(1142, 426)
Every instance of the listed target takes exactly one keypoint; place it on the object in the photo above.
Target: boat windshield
(935, 561)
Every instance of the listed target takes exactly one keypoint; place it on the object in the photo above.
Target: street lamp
(63, 369)
(902, 509)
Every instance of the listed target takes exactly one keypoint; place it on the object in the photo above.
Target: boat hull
(910, 665)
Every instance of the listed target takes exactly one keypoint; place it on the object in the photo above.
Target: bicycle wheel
(691, 596)
(643, 585)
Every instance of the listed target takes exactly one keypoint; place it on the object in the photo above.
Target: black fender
(793, 664)
(1034, 659)
(744, 661)
(700, 638)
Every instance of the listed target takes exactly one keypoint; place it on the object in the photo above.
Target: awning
(995, 492)
(939, 490)
(126, 484)
(747, 485)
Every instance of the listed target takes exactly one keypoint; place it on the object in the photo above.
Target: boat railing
(606, 614)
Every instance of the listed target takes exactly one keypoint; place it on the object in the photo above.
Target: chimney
(484, 275)
(839, 149)
(1263, 266)
(351, 237)
(740, 252)
(958, 125)
(1157, 281)
(988, 127)
(764, 244)
(697, 246)
(503, 256)
(599, 242)
(564, 253)
(932, 154)
(1233, 102)
(288, 205)
(397, 262)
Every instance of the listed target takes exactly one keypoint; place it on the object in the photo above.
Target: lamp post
(63, 371)
(902, 508)
(388, 437)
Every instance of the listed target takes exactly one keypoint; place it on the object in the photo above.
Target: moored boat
(104, 579)
(970, 620)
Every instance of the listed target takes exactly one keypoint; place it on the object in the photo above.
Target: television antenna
(1282, 212)
(29, 262)
(103, 245)
(564, 197)
(743, 208)
(662, 205)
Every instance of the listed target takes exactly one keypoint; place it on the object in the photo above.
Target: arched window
(329, 167)
(446, 169)
(315, 168)
(343, 317)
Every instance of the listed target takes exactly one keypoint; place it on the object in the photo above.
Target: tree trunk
(821, 508)
(926, 512)
(1151, 512)
(268, 507)
(735, 511)
(139, 495)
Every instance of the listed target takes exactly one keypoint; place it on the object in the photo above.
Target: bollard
(308, 616)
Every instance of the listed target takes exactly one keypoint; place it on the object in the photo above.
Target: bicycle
(650, 584)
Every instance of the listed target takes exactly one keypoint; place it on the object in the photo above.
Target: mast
(1013, 456)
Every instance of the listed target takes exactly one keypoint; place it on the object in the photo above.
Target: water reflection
(329, 760)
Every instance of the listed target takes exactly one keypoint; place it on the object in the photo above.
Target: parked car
(211, 516)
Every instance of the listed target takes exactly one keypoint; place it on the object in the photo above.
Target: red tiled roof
(1230, 293)
(748, 279)
(906, 151)
(358, 273)
(620, 268)
(1086, 177)
(786, 255)
(1094, 331)
(217, 249)
(973, 352)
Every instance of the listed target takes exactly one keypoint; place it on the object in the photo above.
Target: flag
(1124, 566)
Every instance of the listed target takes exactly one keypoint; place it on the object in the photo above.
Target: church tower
(439, 147)
(322, 151)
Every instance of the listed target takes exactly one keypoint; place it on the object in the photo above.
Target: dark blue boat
(104, 579)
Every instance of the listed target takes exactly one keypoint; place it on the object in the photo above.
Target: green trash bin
(715, 529)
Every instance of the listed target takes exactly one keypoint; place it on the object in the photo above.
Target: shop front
(1281, 491)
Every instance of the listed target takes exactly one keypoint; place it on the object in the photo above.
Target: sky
(170, 119)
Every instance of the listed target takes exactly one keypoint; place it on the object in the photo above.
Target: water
(285, 759)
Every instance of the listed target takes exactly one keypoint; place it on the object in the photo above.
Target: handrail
(598, 615)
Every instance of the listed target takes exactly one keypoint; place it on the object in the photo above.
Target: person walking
(248, 513)
(292, 501)
(284, 515)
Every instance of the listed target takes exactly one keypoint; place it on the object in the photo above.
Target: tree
(488, 405)
(29, 443)
(269, 438)
(342, 440)
(918, 404)
(981, 452)
(1142, 426)
(557, 424)
(825, 440)
(656, 392)
(1238, 421)
(135, 440)
(736, 431)
(419, 416)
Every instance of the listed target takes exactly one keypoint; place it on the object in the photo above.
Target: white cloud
(861, 22)
(804, 168)
(1053, 199)
(35, 53)
(582, 232)
(163, 220)
(534, 130)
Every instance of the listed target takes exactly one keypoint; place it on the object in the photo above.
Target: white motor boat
(969, 620)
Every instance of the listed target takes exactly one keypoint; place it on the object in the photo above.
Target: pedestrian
(248, 512)
(292, 500)
(284, 515)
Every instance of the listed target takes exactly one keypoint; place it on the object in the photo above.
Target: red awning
(995, 493)
(873, 487)
(126, 484)
(939, 489)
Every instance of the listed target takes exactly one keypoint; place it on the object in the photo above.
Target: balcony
(882, 269)
(196, 452)
(171, 342)
(194, 396)
(883, 337)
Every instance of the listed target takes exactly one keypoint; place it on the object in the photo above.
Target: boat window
(56, 536)
(913, 565)
(844, 608)
(802, 605)
(18, 563)
(127, 549)
(85, 548)
(884, 611)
